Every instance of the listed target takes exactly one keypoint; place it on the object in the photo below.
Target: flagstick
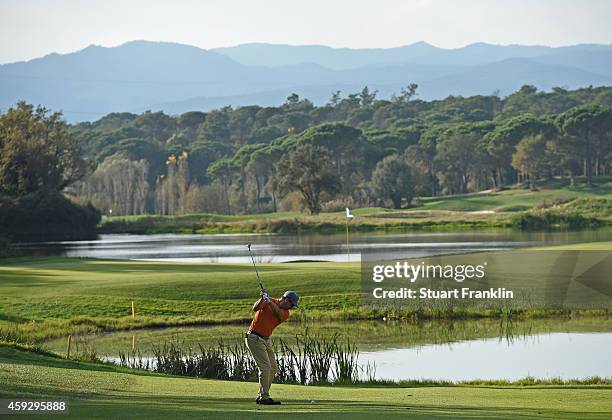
(348, 251)
(349, 216)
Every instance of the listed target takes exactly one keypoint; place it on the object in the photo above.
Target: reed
(308, 359)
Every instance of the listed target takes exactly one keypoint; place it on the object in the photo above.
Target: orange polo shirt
(265, 321)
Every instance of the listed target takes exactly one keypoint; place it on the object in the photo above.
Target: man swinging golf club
(269, 314)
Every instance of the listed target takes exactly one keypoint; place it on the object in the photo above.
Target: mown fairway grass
(50, 297)
(102, 391)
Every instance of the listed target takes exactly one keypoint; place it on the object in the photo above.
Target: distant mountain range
(176, 78)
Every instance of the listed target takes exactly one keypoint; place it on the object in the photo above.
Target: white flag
(349, 214)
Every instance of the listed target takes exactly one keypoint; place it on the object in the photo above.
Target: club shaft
(255, 266)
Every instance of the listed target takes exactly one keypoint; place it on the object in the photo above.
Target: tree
(392, 179)
(459, 161)
(201, 156)
(262, 170)
(345, 146)
(245, 183)
(37, 152)
(118, 184)
(241, 124)
(423, 177)
(291, 122)
(407, 93)
(501, 143)
(590, 128)
(172, 188)
(366, 98)
(334, 99)
(309, 170)
(215, 127)
(532, 158)
(223, 171)
(292, 99)
(156, 126)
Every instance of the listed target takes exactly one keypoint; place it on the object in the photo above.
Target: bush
(554, 202)
(338, 204)
(534, 220)
(46, 216)
(590, 206)
(6, 249)
(292, 202)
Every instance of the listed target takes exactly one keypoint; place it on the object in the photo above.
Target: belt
(257, 334)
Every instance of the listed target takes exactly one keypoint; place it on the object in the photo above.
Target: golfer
(269, 313)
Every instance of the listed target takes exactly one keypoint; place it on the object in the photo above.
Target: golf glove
(265, 296)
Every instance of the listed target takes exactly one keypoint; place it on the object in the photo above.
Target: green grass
(43, 298)
(589, 246)
(517, 199)
(47, 297)
(103, 391)
(367, 211)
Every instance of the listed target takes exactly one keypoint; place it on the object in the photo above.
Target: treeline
(356, 150)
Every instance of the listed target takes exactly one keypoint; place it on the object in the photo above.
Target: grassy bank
(369, 219)
(368, 335)
(103, 391)
(520, 199)
(555, 205)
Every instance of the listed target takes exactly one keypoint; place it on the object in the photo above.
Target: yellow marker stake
(69, 345)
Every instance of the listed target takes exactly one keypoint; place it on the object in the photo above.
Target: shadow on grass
(83, 405)
(133, 402)
(11, 318)
(12, 355)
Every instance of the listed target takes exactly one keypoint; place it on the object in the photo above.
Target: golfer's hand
(265, 296)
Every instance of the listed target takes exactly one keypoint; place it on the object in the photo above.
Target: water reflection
(449, 350)
(557, 355)
(281, 248)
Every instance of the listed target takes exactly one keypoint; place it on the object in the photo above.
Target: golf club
(256, 271)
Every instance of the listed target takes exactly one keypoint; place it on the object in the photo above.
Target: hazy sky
(32, 28)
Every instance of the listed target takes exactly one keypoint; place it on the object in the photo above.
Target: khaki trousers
(262, 352)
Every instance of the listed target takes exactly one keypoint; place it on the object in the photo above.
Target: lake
(557, 355)
(281, 248)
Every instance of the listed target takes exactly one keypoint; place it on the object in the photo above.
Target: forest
(355, 151)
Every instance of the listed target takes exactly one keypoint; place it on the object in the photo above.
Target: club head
(249, 246)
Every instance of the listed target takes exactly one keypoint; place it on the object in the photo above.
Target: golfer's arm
(257, 305)
(276, 310)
